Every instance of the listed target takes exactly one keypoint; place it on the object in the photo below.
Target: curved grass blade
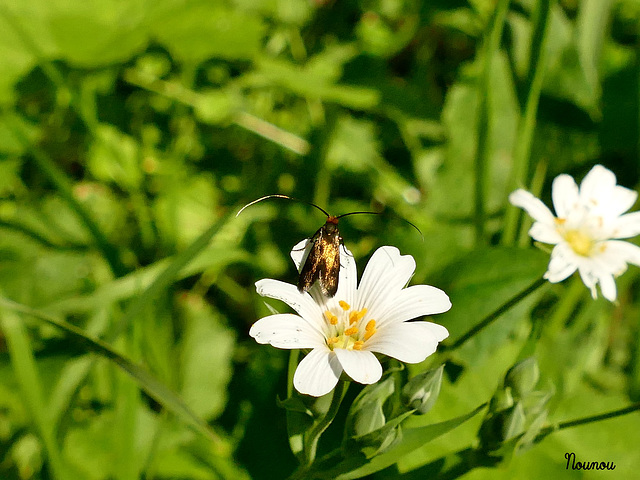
(28, 377)
(154, 388)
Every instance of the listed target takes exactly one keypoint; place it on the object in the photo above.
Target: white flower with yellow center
(586, 231)
(343, 332)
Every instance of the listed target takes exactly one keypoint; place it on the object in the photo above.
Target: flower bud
(523, 376)
(421, 392)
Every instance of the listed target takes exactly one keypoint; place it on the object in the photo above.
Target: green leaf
(207, 353)
(16, 60)
(481, 282)
(208, 30)
(115, 157)
(412, 438)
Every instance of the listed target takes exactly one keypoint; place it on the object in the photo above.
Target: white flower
(586, 230)
(344, 331)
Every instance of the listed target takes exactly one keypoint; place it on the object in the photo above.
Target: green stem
(526, 128)
(313, 436)
(586, 420)
(486, 321)
(565, 308)
(491, 46)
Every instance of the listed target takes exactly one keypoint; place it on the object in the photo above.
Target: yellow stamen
(345, 306)
(370, 329)
(560, 221)
(333, 320)
(353, 318)
(358, 345)
(332, 340)
(350, 331)
(362, 313)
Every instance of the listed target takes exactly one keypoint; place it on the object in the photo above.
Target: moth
(321, 260)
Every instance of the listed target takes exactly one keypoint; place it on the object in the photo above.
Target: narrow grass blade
(26, 372)
(154, 388)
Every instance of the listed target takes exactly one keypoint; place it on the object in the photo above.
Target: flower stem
(590, 419)
(495, 314)
(313, 436)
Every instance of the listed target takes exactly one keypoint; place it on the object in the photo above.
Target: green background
(128, 128)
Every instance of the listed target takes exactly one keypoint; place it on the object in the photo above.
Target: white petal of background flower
(597, 185)
(621, 200)
(532, 205)
(589, 279)
(545, 233)
(286, 330)
(608, 258)
(589, 218)
(627, 226)
(361, 366)
(318, 373)
(565, 195)
(607, 285)
(562, 263)
(626, 251)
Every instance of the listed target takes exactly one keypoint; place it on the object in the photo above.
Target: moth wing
(330, 266)
(310, 272)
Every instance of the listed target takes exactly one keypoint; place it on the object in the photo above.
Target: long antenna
(286, 197)
(380, 213)
(277, 195)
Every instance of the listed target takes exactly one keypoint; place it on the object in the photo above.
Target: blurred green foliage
(127, 129)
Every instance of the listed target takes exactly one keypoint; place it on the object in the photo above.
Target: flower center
(347, 328)
(579, 241)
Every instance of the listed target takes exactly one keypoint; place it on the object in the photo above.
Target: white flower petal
(409, 342)
(348, 279)
(621, 200)
(590, 280)
(608, 260)
(596, 186)
(627, 252)
(360, 365)
(286, 331)
(289, 294)
(299, 252)
(626, 226)
(564, 193)
(545, 233)
(384, 276)
(318, 373)
(413, 302)
(562, 263)
(532, 205)
(607, 286)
